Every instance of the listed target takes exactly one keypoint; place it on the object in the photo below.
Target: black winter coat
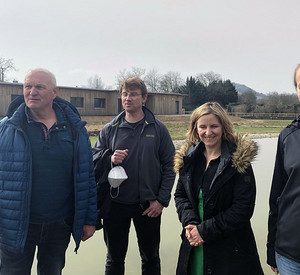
(229, 247)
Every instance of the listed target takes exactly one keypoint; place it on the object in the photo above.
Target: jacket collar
(295, 123)
(193, 152)
(149, 117)
(61, 118)
(16, 112)
(241, 152)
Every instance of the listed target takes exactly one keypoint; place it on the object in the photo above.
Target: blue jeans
(287, 266)
(52, 241)
(116, 231)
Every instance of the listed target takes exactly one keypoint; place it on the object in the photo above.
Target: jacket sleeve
(102, 155)
(92, 197)
(166, 154)
(278, 183)
(238, 206)
(185, 210)
(102, 164)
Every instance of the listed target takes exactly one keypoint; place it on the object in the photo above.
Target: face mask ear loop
(113, 197)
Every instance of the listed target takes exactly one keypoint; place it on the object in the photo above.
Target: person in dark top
(283, 245)
(142, 144)
(47, 183)
(215, 197)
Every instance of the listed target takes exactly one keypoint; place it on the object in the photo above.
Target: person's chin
(32, 105)
(210, 144)
(210, 141)
(32, 101)
(128, 108)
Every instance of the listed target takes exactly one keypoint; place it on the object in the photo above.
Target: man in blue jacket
(142, 144)
(47, 185)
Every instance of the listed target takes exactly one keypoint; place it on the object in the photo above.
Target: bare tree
(95, 82)
(5, 66)
(152, 80)
(134, 72)
(248, 98)
(171, 82)
(208, 78)
(138, 72)
(279, 103)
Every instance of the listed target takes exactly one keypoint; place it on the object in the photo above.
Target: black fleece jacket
(284, 221)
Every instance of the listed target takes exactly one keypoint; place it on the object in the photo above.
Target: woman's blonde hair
(211, 108)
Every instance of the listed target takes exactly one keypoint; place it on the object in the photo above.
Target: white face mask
(116, 176)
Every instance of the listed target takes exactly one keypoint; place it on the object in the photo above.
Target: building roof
(86, 88)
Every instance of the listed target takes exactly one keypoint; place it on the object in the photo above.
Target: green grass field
(178, 129)
(178, 126)
(261, 126)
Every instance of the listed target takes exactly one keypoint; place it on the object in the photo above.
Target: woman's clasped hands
(193, 236)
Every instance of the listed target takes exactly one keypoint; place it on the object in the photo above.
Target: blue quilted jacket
(16, 177)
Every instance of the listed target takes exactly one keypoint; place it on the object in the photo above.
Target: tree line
(210, 86)
(196, 89)
(273, 102)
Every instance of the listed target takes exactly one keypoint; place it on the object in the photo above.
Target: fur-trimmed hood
(244, 151)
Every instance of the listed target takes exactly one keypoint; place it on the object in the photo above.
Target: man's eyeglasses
(133, 95)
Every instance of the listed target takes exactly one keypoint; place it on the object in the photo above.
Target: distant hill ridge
(241, 88)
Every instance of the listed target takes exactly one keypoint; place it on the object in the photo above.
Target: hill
(241, 88)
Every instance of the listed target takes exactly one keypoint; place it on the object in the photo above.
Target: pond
(90, 259)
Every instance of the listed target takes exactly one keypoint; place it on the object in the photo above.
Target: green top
(196, 258)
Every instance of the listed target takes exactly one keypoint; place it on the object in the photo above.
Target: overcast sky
(251, 42)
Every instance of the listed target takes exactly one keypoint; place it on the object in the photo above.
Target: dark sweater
(52, 196)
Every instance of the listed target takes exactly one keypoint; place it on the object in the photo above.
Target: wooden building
(92, 102)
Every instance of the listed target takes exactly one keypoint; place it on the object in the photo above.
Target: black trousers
(116, 234)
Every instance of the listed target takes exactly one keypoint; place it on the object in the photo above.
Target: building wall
(166, 104)
(88, 96)
(162, 104)
(6, 92)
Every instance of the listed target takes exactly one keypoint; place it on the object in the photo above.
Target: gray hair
(47, 72)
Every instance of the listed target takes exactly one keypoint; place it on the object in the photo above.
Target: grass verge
(178, 126)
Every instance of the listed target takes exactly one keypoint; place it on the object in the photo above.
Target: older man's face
(38, 91)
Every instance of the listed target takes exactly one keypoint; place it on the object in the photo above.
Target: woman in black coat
(215, 197)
